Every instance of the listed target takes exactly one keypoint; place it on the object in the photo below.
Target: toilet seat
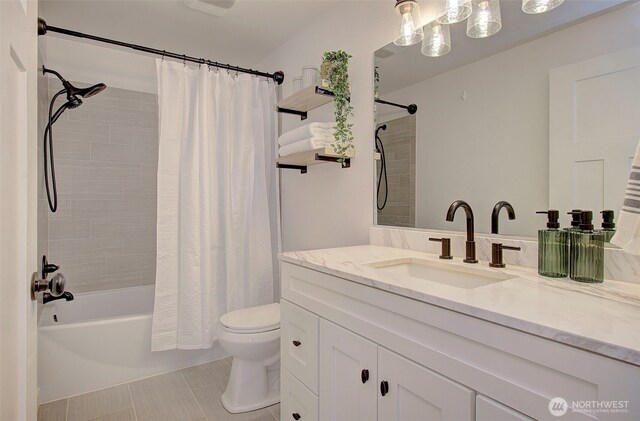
(253, 319)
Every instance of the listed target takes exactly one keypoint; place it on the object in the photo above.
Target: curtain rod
(43, 28)
(411, 108)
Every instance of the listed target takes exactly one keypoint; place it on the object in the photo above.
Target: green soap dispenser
(608, 226)
(553, 248)
(587, 252)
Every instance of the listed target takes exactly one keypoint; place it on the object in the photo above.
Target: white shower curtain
(214, 249)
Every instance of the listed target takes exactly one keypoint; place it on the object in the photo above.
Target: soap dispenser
(586, 262)
(608, 226)
(553, 247)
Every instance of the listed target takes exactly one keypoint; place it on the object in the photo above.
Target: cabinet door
(489, 410)
(347, 391)
(416, 393)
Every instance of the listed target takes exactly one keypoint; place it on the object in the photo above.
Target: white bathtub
(103, 339)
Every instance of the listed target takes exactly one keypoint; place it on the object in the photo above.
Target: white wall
(493, 145)
(329, 206)
(93, 63)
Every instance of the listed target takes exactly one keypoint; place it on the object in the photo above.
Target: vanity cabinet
(435, 363)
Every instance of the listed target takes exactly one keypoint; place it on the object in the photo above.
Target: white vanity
(379, 333)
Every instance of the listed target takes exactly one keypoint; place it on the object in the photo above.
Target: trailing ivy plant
(335, 71)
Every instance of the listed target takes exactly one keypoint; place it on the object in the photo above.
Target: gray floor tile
(53, 411)
(209, 399)
(164, 398)
(99, 403)
(213, 372)
(124, 415)
(275, 411)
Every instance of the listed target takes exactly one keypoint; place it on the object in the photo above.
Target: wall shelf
(304, 101)
(300, 161)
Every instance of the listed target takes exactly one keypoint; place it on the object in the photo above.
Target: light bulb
(485, 19)
(437, 40)
(539, 6)
(411, 31)
(452, 11)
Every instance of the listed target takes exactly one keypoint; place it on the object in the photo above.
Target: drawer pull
(297, 343)
(364, 375)
(384, 387)
(296, 416)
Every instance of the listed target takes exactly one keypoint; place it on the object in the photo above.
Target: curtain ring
(184, 60)
(163, 54)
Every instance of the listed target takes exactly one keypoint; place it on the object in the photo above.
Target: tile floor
(191, 394)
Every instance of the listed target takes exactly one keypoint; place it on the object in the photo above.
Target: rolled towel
(627, 235)
(304, 145)
(305, 132)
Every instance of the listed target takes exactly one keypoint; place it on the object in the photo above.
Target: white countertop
(601, 318)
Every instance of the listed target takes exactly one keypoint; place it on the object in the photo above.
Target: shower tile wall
(399, 142)
(104, 233)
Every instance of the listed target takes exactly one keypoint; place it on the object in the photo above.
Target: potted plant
(334, 74)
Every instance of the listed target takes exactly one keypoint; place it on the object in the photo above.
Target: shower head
(74, 92)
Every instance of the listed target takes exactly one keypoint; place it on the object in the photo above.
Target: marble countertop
(601, 318)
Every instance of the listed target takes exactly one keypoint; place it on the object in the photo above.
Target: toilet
(252, 337)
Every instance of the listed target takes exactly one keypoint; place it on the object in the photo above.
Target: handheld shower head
(85, 92)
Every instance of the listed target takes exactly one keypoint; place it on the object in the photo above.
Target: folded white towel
(308, 144)
(305, 132)
(627, 234)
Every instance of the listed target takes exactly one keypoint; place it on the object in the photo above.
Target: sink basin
(440, 272)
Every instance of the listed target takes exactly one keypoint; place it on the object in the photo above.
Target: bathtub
(102, 339)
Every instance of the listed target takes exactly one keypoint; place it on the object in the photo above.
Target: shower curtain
(214, 248)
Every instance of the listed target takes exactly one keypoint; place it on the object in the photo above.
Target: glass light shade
(452, 11)
(485, 19)
(539, 6)
(411, 31)
(437, 40)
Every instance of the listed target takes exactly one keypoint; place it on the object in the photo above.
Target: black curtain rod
(411, 108)
(43, 28)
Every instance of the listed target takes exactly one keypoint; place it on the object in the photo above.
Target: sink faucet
(470, 244)
(496, 213)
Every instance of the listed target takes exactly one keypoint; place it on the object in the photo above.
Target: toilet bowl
(252, 337)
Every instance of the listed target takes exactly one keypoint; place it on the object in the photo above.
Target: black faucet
(496, 213)
(470, 244)
(47, 297)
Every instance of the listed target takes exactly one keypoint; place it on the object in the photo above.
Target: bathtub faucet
(47, 297)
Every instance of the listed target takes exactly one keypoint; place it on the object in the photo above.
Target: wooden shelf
(300, 161)
(304, 101)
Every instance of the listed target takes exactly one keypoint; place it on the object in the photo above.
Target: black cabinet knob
(297, 343)
(364, 375)
(384, 387)
(296, 416)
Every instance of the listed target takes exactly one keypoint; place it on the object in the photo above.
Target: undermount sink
(440, 272)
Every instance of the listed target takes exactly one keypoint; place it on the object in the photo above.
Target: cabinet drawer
(489, 410)
(297, 402)
(299, 344)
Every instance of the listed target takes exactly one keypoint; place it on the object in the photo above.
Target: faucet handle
(496, 254)
(446, 247)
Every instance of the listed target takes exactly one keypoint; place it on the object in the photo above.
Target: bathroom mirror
(543, 114)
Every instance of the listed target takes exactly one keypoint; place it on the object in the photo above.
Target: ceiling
(404, 66)
(247, 33)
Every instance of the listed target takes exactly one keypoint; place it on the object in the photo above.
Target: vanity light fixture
(452, 11)
(411, 31)
(437, 40)
(485, 19)
(539, 6)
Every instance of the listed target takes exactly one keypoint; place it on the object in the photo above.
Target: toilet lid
(253, 319)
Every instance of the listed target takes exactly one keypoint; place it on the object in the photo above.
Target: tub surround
(619, 266)
(603, 318)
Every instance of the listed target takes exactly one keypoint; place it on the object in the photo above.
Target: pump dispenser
(553, 247)
(587, 252)
(576, 215)
(608, 226)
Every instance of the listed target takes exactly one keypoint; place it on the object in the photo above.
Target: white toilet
(252, 337)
